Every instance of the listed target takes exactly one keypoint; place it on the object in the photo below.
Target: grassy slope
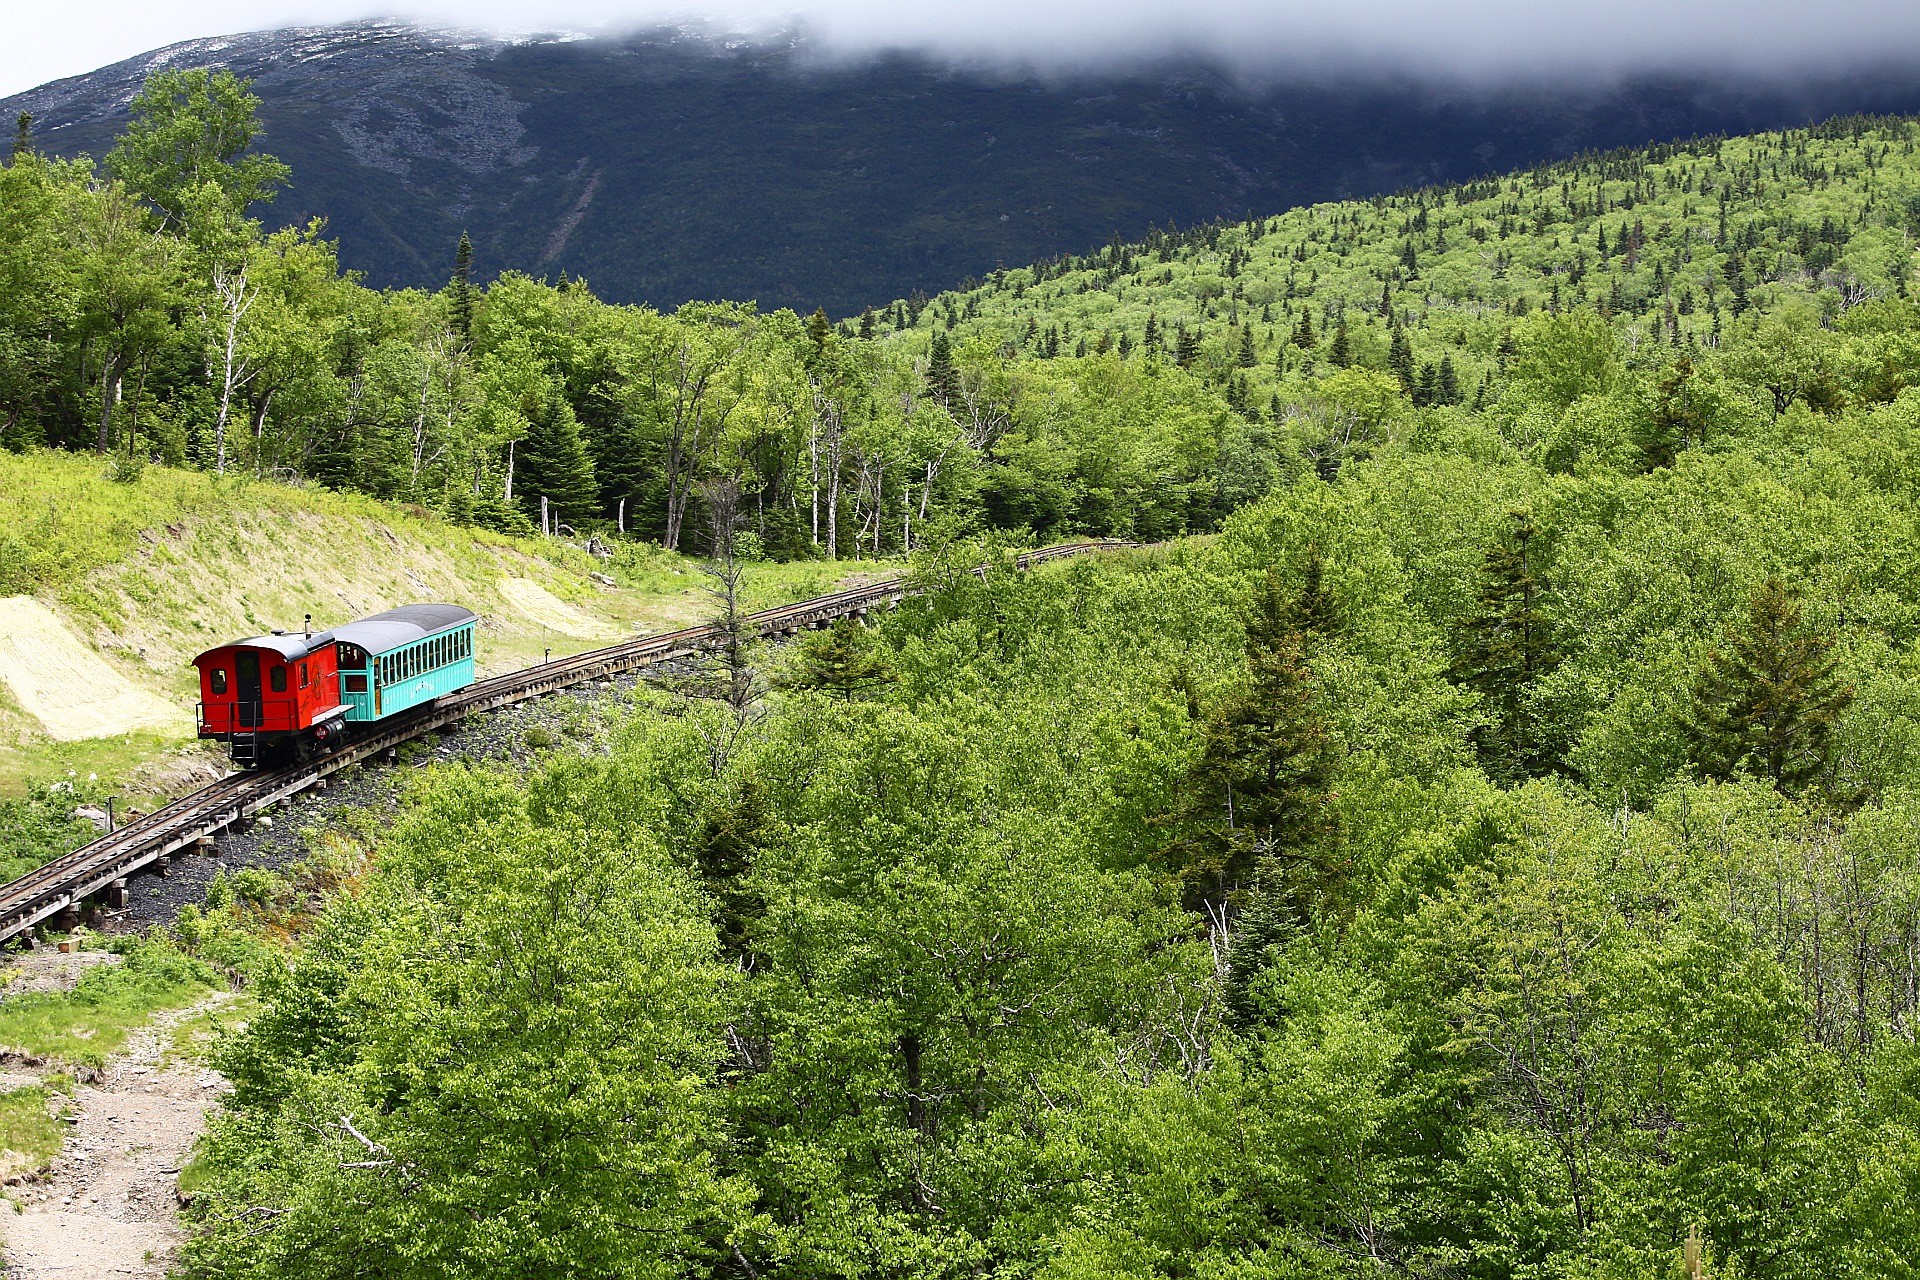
(1813, 213)
(153, 572)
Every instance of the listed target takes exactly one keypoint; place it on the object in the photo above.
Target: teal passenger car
(403, 658)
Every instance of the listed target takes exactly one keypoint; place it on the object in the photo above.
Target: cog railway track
(104, 866)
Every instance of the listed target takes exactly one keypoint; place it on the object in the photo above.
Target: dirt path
(108, 1206)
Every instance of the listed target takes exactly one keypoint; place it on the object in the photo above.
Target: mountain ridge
(684, 162)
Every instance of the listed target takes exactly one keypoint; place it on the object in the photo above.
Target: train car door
(246, 668)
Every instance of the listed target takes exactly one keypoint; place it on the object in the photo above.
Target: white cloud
(1506, 38)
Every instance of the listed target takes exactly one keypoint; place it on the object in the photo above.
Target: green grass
(30, 1130)
(191, 1039)
(87, 1025)
(195, 1175)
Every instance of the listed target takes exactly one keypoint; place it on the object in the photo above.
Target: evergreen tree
(943, 380)
(819, 330)
(866, 325)
(23, 135)
(1400, 358)
(843, 661)
(1767, 698)
(1256, 813)
(1341, 353)
(460, 289)
(724, 851)
(1506, 645)
(1187, 348)
(1248, 357)
(552, 462)
(1449, 382)
(1676, 422)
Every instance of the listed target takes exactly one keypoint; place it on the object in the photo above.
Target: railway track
(102, 868)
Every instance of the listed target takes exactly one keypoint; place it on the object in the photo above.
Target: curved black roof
(382, 633)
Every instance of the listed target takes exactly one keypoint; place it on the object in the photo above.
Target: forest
(1489, 851)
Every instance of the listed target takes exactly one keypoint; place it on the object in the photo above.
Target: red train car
(274, 695)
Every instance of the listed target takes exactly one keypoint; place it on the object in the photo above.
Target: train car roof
(291, 647)
(385, 632)
(382, 633)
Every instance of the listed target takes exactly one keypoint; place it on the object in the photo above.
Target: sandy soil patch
(48, 969)
(108, 1206)
(66, 686)
(537, 604)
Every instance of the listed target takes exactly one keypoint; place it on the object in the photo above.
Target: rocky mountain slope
(675, 164)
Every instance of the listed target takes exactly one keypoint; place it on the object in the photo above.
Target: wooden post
(110, 818)
(117, 894)
(1692, 1253)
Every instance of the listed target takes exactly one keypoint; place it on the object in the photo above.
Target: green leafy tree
(1767, 698)
(191, 128)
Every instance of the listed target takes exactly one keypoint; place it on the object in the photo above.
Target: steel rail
(105, 864)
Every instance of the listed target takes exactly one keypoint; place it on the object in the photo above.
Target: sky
(1465, 39)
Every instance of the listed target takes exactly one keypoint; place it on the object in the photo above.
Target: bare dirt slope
(72, 691)
(108, 1206)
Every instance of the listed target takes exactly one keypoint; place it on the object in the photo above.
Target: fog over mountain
(1503, 39)
(821, 165)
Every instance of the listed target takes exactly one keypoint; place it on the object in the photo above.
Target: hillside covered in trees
(1491, 853)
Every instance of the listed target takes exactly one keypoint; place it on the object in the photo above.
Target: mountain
(677, 164)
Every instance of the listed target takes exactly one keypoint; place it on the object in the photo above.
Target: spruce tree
(552, 462)
(866, 325)
(1400, 358)
(1676, 421)
(1248, 357)
(1767, 698)
(460, 289)
(844, 662)
(1505, 647)
(1449, 382)
(819, 329)
(943, 380)
(1342, 351)
(1256, 813)
(23, 135)
(1187, 348)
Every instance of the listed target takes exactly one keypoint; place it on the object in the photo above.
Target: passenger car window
(219, 681)
(303, 675)
(277, 678)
